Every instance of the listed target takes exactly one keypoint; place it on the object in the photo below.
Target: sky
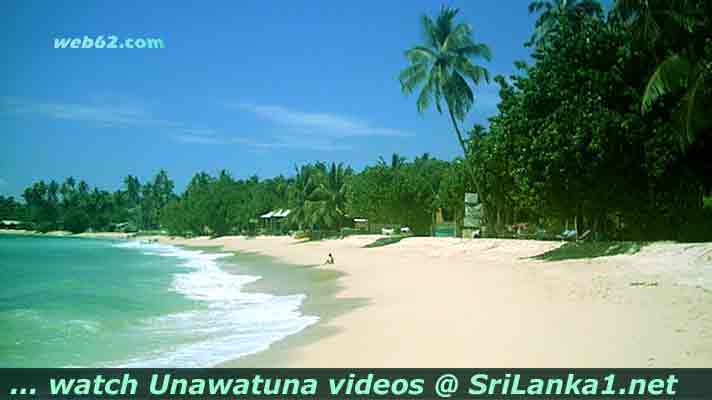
(254, 87)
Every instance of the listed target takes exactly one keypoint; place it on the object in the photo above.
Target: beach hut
(267, 218)
(362, 225)
(274, 219)
(282, 213)
(125, 226)
(279, 219)
(10, 224)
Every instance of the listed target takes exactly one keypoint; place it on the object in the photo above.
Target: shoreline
(424, 303)
(89, 235)
(446, 302)
(277, 278)
(283, 279)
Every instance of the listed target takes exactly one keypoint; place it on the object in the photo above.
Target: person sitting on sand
(329, 259)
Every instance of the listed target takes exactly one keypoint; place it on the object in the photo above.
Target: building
(11, 224)
(274, 221)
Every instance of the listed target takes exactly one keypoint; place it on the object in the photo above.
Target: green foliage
(403, 193)
(570, 145)
(551, 12)
(318, 196)
(11, 209)
(222, 205)
(707, 203)
(76, 207)
(607, 130)
(76, 220)
(442, 66)
(677, 36)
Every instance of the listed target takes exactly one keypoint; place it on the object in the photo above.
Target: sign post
(472, 223)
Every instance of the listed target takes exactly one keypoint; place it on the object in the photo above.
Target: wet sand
(440, 302)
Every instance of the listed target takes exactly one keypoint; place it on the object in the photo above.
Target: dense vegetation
(607, 129)
(320, 197)
(76, 207)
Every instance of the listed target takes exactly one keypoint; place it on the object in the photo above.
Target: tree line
(606, 129)
(320, 197)
(76, 207)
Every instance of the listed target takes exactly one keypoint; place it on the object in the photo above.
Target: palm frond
(550, 10)
(537, 6)
(588, 7)
(459, 96)
(456, 37)
(412, 77)
(692, 114)
(475, 50)
(420, 54)
(474, 72)
(671, 75)
(444, 23)
(688, 22)
(429, 31)
(443, 64)
(424, 97)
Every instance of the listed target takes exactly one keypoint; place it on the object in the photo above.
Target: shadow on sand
(576, 251)
(386, 241)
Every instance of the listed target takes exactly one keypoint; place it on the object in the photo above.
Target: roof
(276, 214)
(282, 213)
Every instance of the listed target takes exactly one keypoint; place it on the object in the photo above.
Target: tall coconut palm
(329, 198)
(306, 182)
(652, 20)
(642, 16)
(687, 71)
(693, 80)
(550, 10)
(442, 66)
(397, 161)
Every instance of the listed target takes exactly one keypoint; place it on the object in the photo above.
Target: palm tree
(693, 79)
(686, 71)
(301, 192)
(397, 161)
(652, 20)
(329, 198)
(551, 10)
(443, 64)
(133, 190)
(642, 16)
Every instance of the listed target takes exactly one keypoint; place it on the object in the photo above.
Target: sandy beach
(440, 302)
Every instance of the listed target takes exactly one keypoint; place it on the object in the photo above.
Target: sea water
(74, 302)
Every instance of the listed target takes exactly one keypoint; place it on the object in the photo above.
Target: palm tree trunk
(463, 145)
(468, 166)
(457, 130)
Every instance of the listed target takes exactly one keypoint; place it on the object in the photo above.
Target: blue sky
(252, 87)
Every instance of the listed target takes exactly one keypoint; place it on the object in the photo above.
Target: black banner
(221, 383)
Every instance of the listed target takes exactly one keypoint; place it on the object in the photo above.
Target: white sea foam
(233, 323)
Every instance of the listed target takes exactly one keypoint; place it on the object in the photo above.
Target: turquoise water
(88, 302)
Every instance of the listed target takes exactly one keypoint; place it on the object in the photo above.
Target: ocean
(76, 302)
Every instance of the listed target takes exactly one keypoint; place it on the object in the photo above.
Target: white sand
(436, 302)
